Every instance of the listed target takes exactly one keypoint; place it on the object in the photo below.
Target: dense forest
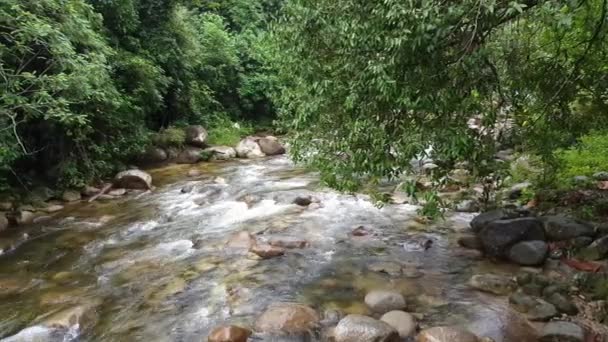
(86, 84)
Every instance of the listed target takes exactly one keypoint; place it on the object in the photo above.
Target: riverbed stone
(133, 179)
(3, 222)
(271, 147)
(187, 188)
(221, 152)
(6, 205)
(382, 301)
(303, 201)
(561, 228)
(84, 315)
(230, 333)
(561, 331)
(196, 135)
(241, 240)
(358, 328)
(53, 208)
(266, 251)
(288, 242)
(25, 217)
(190, 155)
(12, 285)
(290, 318)
(498, 236)
(562, 303)
(467, 206)
(403, 322)
(482, 220)
(491, 283)
(249, 148)
(155, 154)
(71, 196)
(470, 241)
(90, 191)
(446, 334)
(388, 267)
(596, 250)
(529, 253)
(534, 308)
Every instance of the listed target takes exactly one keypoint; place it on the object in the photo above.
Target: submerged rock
(133, 179)
(85, 316)
(391, 268)
(499, 285)
(446, 334)
(287, 242)
(403, 322)
(560, 331)
(303, 201)
(241, 240)
(560, 228)
(290, 318)
(271, 147)
(230, 333)
(529, 253)
(358, 328)
(194, 173)
(498, 236)
(382, 301)
(267, 251)
(196, 136)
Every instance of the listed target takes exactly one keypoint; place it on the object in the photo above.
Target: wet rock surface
(288, 318)
(358, 328)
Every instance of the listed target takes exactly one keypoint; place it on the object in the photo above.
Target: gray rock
(190, 155)
(358, 328)
(601, 176)
(390, 268)
(271, 147)
(560, 228)
(221, 152)
(596, 250)
(529, 253)
(196, 136)
(187, 188)
(382, 301)
(535, 308)
(516, 190)
(499, 285)
(25, 217)
(498, 236)
(446, 334)
(403, 322)
(562, 303)
(560, 331)
(482, 220)
(303, 201)
(582, 241)
(71, 196)
(249, 148)
(155, 155)
(467, 206)
(133, 179)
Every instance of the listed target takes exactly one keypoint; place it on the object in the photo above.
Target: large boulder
(221, 152)
(231, 333)
(155, 155)
(249, 148)
(196, 136)
(403, 322)
(446, 334)
(482, 220)
(498, 236)
(133, 179)
(271, 147)
(529, 253)
(289, 318)
(561, 228)
(190, 155)
(358, 328)
(382, 301)
(560, 331)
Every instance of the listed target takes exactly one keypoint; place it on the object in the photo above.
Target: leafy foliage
(583, 159)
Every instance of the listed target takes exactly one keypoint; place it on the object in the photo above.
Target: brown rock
(71, 196)
(288, 242)
(446, 334)
(360, 231)
(241, 240)
(133, 179)
(25, 217)
(230, 333)
(271, 147)
(289, 318)
(117, 192)
(267, 251)
(196, 136)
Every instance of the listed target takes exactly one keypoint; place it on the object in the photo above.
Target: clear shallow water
(154, 267)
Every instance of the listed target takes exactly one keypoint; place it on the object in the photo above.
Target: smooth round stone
(559, 331)
(382, 301)
(403, 322)
(529, 253)
(498, 285)
(358, 328)
(287, 318)
(446, 334)
(231, 333)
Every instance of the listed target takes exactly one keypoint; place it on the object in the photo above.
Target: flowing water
(154, 266)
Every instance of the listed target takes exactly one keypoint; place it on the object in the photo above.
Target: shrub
(228, 133)
(170, 137)
(587, 157)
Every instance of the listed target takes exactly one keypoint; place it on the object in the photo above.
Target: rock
(358, 328)
(117, 192)
(41, 194)
(499, 285)
(221, 152)
(516, 190)
(6, 206)
(53, 208)
(71, 196)
(3, 222)
(562, 303)
(241, 240)
(90, 191)
(498, 236)
(194, 173)
(41, 219)
(596, 250)
(360, 231)
(483, 219)
(391, 268)
(12, 285)
(270, 147)
(460, 175)
(601, 176)
(187, 189)
(288, 318)
(133, 179)
(561, 228)
(267, 251)
(403, 322)
(25, 217)
(287, 242)
(382, 301)
(331, 317)
(560, 331)
(535, 308)
(529, 253)
(428, 167)
(446, 334)
(82, 315)
(230, 333)
(249, 148)
(303, 201)
(470, 242)
(219, 180)
(155, 155)
(196, 136)
(190, 155)
(582, 241)
(505, 155)
(467, 206)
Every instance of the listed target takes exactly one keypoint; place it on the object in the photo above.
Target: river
(154, 267)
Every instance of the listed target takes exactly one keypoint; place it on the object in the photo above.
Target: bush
(228, 133)
(170, 137)
(589, 156)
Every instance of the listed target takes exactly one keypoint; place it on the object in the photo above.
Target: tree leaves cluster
(84, 82)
